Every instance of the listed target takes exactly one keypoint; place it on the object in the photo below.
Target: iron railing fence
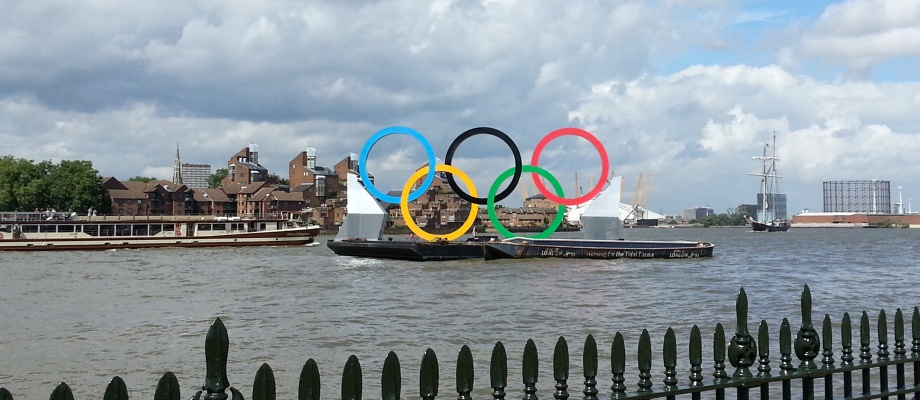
(859, 374)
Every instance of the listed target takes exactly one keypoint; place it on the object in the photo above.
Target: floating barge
(409, 250)
(517, 248)
(360, 236)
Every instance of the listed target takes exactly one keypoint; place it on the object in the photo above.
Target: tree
(141, 179)
(279, 182)
(70, 185)
(215, 178)
(76, 185)
(734, 219)
(20, 184)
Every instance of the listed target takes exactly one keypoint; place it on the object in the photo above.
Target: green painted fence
(817, 375)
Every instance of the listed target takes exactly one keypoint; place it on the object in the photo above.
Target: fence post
(742, 350)
(116, 390)
(785, 356)
(530, 370)
(763, 369)
(865, 352)
(718, 350)
(696, 357)
(62, 392)
(309, 386)
(216, 348)
(589, 364)
(428, 377)
(900, 352)
(167, 388)
(263, 388)
(351, 379)
(827, 359)
(464, 373)
(618, 366)
(390, 379)
(846, 359)
(670, 360)
(561, 368)
(645, 362)
(915, 348)
(806, 342)
(498, 371)
(883, 354)
(807, 345)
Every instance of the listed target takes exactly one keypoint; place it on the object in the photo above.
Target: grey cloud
(121, 84)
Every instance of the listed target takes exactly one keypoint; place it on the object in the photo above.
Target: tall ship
(768, 199)
(46, 231)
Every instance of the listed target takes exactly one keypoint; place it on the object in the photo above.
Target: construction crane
(577, 191)
(524, 194)
(636, 193)
(648, 188)
(640, 198)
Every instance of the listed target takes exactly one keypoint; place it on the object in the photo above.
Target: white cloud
(704, 124)
(861, 34)
(121, 85)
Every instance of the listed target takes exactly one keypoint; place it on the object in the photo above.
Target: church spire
(177, 168)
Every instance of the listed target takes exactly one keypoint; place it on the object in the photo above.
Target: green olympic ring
(490, 205)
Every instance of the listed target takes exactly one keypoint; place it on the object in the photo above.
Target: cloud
(688, 91)
(859, 35)
(702, 125)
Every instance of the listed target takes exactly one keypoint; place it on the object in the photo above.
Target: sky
(683, 92)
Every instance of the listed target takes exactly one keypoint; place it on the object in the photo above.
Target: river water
(84, 317)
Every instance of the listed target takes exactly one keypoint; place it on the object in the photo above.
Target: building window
(321, 186)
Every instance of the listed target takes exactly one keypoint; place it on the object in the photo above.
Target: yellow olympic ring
(404, 203)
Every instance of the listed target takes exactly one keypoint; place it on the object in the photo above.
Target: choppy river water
(84, 317)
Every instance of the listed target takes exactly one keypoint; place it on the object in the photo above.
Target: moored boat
(595, 249)
(67, 231)
(777, 225)
(768, 214)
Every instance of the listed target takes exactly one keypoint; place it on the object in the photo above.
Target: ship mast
(768, 179)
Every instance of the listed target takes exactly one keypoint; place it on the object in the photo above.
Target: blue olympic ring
(362, 162)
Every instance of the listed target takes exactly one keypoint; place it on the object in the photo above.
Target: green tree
(70, 185)
(215, 178)
(279, 182)
(141, 179)
(76, 185)
(734, 219)
(20, 184)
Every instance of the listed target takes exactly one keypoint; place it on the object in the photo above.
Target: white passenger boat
(42, 231)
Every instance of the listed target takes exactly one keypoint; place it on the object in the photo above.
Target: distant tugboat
(769, 185)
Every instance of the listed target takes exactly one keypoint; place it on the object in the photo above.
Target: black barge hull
(596, 249)
(407, 250)
(760, 227)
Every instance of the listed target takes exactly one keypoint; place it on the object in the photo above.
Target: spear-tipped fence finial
(742, 349)
(807, 343)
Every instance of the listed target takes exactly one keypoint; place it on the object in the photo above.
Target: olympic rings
(484, 131)
(605, 165)
(560, 214)
(362, 162)
(431, 169)
(404, 203)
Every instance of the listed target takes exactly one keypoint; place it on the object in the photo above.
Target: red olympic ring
(605, 165)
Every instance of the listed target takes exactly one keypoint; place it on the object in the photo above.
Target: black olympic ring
(518, 165)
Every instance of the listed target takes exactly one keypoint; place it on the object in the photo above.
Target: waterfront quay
(86, 317)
